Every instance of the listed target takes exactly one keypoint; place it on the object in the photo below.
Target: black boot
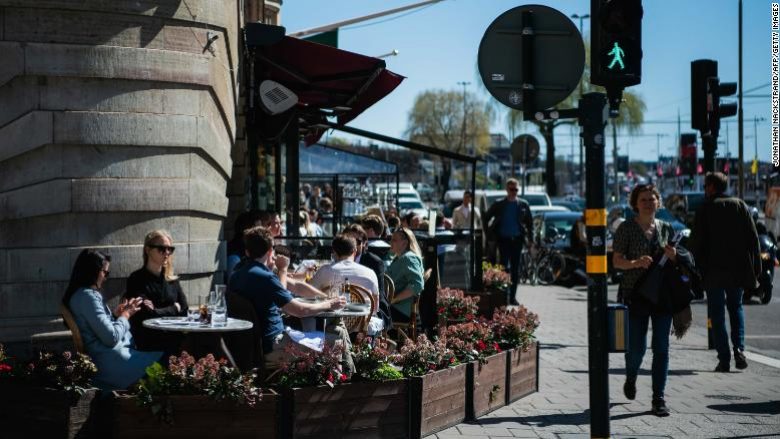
(723, 366)
(659, 408)
(629, 388)
(739, 359)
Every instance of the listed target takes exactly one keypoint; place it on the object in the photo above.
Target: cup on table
(204, 309)
(218, 306)
(193, 316)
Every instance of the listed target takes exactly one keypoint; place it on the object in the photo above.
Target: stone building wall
(117, 117)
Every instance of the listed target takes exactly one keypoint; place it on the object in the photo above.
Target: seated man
(345, 268)
(256, 281)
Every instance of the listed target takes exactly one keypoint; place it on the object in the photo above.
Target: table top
(180, 324)
(344, 312)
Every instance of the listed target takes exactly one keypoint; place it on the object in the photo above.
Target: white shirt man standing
(345, 268)
(461, 216)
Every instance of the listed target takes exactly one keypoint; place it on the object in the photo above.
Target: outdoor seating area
(410, 381)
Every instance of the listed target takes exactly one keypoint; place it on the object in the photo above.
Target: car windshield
(407, 204)
(664, 214)
(562, 225)
(535, 199)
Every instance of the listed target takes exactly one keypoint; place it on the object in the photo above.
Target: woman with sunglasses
(406, 270)
(106, 335)
(159, 290)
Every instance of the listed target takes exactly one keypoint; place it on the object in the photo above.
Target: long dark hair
(85, 272)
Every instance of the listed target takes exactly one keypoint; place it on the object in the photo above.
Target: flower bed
(49, 396)
(319, 402)
(454, 306)
(190, 397)
(437, 385)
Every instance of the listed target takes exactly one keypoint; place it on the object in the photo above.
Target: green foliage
(421, 357)
(185, 376)
(310, 368)
(372, 363)
(513, 327)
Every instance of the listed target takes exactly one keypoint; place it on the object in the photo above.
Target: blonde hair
(149, 241)
(409, 235)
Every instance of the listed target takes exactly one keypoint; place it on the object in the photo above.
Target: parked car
(406, 205)
(425, 190)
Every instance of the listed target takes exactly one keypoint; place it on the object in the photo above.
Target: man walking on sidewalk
(511, 224)
(725, 245)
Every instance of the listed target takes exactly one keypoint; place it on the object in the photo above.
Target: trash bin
(617, 327)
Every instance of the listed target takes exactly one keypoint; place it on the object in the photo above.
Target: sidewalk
(704, 404)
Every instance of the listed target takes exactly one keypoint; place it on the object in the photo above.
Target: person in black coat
(159, 288)
(724, 242)
(376, 264)
(509, 223)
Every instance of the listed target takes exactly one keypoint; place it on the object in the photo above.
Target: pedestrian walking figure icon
(617, 57)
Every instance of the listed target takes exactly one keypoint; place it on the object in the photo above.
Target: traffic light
(688, 154)
(616, 43)
(701, 69)
(715, 109)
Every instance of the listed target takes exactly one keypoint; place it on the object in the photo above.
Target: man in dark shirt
(509, 222)
(725, 245)
(256, 281)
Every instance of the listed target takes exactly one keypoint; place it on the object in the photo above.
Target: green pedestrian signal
(617, 55)
(616, 43)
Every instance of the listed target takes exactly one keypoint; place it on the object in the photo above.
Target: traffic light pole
(593, 109)
(709, 146)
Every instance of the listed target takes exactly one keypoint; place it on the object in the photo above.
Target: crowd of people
(258, 270)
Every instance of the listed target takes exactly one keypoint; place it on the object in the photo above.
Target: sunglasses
(163, 248)
(513, 189)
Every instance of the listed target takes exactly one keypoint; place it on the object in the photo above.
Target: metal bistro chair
(70, 322)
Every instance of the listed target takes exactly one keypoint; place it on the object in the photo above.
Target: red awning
(327, 80)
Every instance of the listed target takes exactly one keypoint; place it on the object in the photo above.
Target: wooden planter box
(437, 401)
(28, 411)
(197, 416)
(351, 410)
(489, 300)
(522, 375)
(486, 386)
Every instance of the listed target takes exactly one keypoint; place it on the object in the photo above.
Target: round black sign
(525, 148)
(557, 63)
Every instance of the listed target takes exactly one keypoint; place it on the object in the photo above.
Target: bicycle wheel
(550, 268)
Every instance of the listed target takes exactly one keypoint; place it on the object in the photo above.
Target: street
(762, 328)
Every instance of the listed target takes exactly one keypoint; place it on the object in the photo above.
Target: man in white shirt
(345, 268)
(461, 216)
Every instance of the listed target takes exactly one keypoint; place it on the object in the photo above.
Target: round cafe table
(182, 325)
(361, 311)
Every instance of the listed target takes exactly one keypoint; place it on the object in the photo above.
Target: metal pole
(332, 26)
(463, 129)
(582, 147)
(755, 139)
(476, 281)
(593, 115)
(615, 159)
(740, 121)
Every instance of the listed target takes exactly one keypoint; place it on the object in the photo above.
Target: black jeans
(510, 250)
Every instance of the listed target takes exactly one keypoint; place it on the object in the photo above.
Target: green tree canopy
(440, 119)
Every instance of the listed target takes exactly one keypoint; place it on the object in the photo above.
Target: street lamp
(463, 128)
(582, 169)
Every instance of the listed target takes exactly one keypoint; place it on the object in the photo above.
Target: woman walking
(637, 242)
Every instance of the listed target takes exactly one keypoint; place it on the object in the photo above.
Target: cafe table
(351, 310)
(184, 326)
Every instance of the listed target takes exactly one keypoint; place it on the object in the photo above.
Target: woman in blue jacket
(106, 335)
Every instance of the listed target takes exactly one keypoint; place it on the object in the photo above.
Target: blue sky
(438, 47)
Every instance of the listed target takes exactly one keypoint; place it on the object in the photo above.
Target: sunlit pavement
(703, 403)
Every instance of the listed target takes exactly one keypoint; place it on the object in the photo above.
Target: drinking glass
(218, 306)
